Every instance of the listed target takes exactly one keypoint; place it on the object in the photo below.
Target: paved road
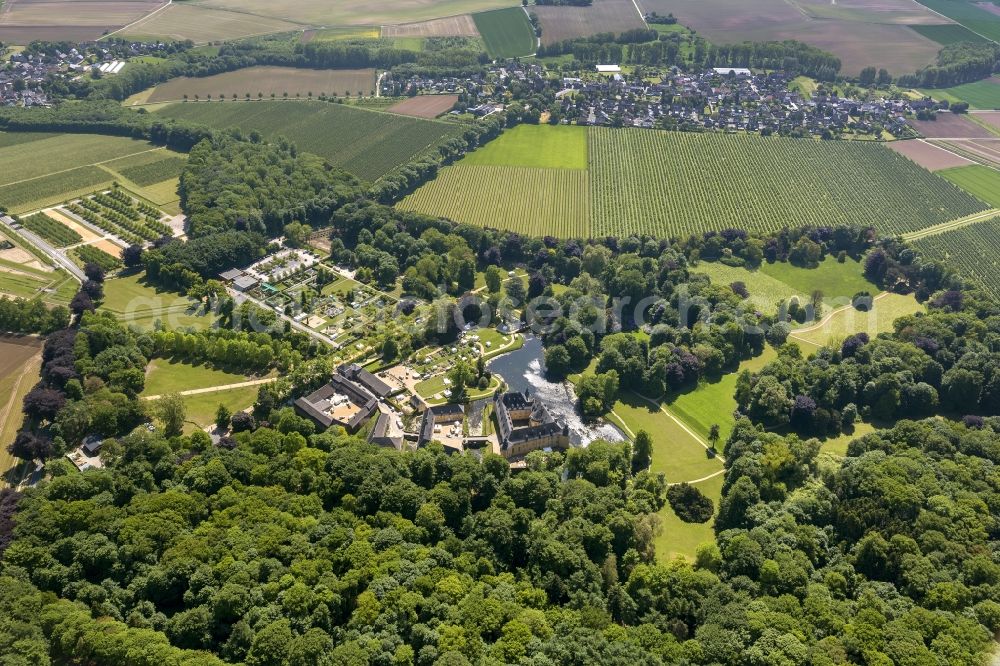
(55, 254)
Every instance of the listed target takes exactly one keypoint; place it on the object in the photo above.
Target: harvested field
(201, 25)
(355, 12)
(984, 151)
(86, 235)
(20, 362)
(268, 80)
(425, 106)
(22, 21)
(858, 43)
(951, 126)
(107, 246)
(566, 22)
(928, 155)
(452, 26)
(903, 12)
(991, 118)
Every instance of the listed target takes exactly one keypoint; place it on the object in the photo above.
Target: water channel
(524, 370)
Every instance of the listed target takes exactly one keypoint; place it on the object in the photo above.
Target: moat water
(524, 370)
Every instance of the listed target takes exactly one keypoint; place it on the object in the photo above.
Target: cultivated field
(341, 33)
(948, 33)
(983, 94)
(355, 12)
(976, 19)
(675, 183)
(980, 181)
(506, 32)
(201, 24)
(425, 106)
(20, 362)
(268, 81)
(369, 144)
(566, 22)
(862, 33)
(927, 155)
(451, 26)
(47, 169)
(991, 118)
(951, 126)
(22, 21)
(670, 183)
(973, 251)
(536, 146)
(534, 202)
(981, 151)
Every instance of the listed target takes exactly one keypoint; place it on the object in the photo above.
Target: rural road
(53, 253)
(954, 224)
(216, 389)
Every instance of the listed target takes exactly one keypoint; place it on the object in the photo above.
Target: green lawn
(201, 408)
(506, 32)
(765, 291)
(848, 321)
(139, 303)
(979, 181)
(983, 94)
(676, 453)
(713, 402)
(837, 281)
(170, 375)
(682, 539)
(537, 146)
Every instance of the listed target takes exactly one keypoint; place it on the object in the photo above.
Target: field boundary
(139, 20)
(951, 226)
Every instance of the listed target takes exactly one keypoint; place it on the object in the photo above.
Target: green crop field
(676, 183)
(535, 202)
(506, 32)
(50, 230)
(978, 20)
(42, 169)
(980, 181)
(149, 172)
(948, 33)
(87, 254)
(973, 251)
(983, 94)
(669, 183)
(367, 143)
(537, 146)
